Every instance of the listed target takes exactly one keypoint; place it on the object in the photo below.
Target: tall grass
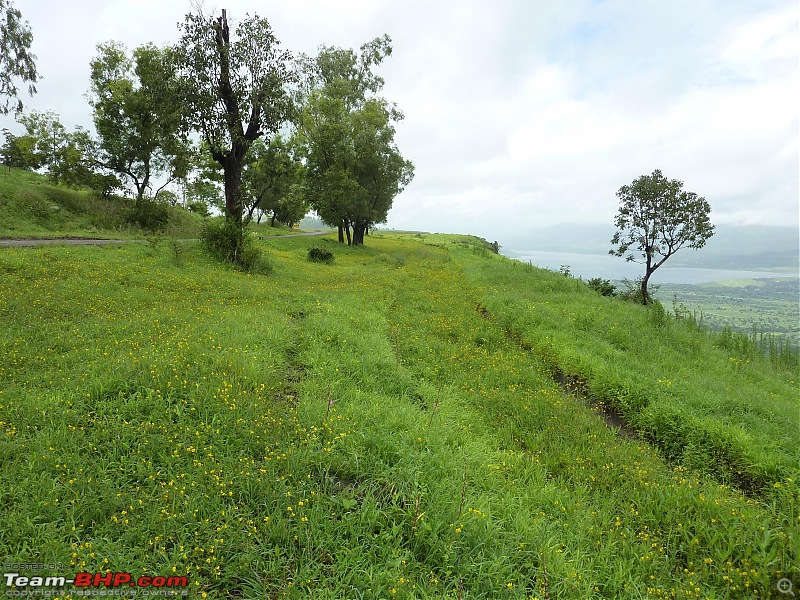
(685, 389)
(778, 350)
(384, 426)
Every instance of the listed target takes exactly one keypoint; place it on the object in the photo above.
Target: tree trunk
(141, 188)
(272, 223)
(233, 184)
(359, 228)
(341, 233)
(232, 160)
(645, 293)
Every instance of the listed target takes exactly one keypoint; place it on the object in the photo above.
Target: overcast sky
(523, 113)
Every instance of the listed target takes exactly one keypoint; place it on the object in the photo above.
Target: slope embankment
(703, 402)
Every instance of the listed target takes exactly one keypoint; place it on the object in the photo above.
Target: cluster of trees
(241, 123)
(277, 135)
(346, 134)
(68, 157)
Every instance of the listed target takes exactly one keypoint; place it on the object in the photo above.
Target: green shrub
(229, 242)
(658, 316)
(602, 286)
(224, 240)
(322, 255)
(199, 207)
(105, 185)
(149, 215)
(633, 290)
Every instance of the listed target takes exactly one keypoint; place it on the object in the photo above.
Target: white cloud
(763, 42)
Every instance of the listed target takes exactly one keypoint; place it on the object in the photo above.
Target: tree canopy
(18, 151)
(273, 182)
(16, 59)
(47, 136)
(656, 218)
(353, 167)
(138, 116)
(234, 90)
(68, 156)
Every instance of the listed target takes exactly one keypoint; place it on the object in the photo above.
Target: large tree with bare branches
(234, 88)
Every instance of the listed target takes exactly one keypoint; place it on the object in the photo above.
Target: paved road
(18, 243)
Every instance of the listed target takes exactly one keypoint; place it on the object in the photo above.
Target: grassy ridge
(689, 393)
(31, 206)
(362, 429)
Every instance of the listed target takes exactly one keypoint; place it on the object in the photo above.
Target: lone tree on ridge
(657, 218)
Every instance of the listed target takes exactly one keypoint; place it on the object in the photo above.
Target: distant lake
(610, 267)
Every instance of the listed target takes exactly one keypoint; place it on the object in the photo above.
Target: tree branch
(222, 40)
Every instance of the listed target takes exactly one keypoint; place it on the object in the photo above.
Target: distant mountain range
(731, 247)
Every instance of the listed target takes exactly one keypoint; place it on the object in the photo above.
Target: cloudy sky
(523, 113)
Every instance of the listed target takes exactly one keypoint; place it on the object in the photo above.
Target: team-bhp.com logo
(18, 585)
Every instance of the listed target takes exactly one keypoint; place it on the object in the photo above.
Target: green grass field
(386, 426)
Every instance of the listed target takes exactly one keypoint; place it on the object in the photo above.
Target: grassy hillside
(31, 206)
(386, 426)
